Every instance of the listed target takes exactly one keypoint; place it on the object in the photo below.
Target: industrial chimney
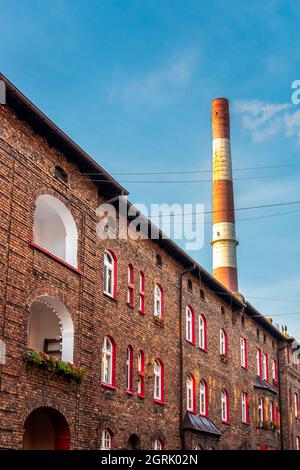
(224, 239)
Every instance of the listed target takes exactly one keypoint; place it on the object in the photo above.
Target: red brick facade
(28, 157)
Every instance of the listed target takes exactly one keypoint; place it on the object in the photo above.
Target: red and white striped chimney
(224, 239)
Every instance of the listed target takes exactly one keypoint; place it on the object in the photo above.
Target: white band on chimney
(224, 231)
(222, 159)
(224, 254)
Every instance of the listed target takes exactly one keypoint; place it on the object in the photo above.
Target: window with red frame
(110, 274)
(277, 416)
(223, 342)
(191, 394)
(141, 374)
(108, 370)
(225, 406)
(158, 302)
(129, 370)
(130, 290)
(203, 395)
(190, 325)
(158, 381)
(245, 407)
(258, 362)
(202, 333)
(298, 443)
(274, 371)
(296, 405)
(261, 410)
(141, 292)
(266, 367)
(244, 353)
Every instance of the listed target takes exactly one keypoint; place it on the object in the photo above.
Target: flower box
(54, 366)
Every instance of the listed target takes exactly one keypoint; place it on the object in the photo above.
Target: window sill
(159, 402)
(227, 423)
(244, 367)
(142, 312)
(108, 386)
(202, 349)
(190, 342)
(56, 258)
(129, 393)
(159, 322)
(110, 297)
(141, 396)
(205, 415)
(130, 305)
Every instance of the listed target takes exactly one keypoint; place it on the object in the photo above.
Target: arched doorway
(46, 429)
(133, 443)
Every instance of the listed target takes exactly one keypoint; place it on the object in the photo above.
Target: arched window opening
(110, 274)
(54, 229)
(134, 442)
(223, 342)
(202, 295)
(158, 444)
(60, 174)
(225, 406)
(108, 362)
(159, 262)
(142, 292)
(158, 302)
(191, 394)
(130, 290)
(158, 381)
(46, 429)
(51, 328)
(106, 439)
(203, 398)
(190, 325)
(129, 370)
(202, 333)
(141, 374)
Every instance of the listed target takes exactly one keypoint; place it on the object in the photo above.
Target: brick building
(171, 358)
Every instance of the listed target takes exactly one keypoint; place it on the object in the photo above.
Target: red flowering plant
(53, 365)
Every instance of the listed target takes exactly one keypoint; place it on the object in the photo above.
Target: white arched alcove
(50, 319)
(55, 229)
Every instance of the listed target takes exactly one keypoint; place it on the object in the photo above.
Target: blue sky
(132, 82)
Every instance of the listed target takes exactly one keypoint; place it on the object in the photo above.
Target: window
(158, 302)
(141, 374)
(60, 174)
(298, 443)
(202, 295)
(110, 274)
(242, 320)
(129, 370)
(158, 445)
(274, 371)
(203, 398)
(202, 333)
(191, 394)
(190, 325)
(190, 285)
(54, 230)
(222, 310)
(158, 381)
(223, 343)
(245, 408)
(108, 362)
(258, 362)
(272, 416)
(159, 262)
(105, 440)
(225, 406)
(244, 353)
(257, 333)
(261, 410)
(277, 416)
(265, 339)
(296, 405)
(142, 292)
(130, 290)
(266, 367)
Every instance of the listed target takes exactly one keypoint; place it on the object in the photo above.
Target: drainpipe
(181, 353)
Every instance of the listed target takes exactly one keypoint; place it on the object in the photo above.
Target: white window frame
(158, 444)
(244, 408)
(202, 332)
(157, 381)
(157, 301)
(129, 361)
(243, 352)
(107, 361)
(223, 347)
(261, 410)
(109, 274)
(189, 324)
(203, 398)
(105, 440)
(190, 393)
(265, 366)
(224, 406)
(296, 404)
(258, 362)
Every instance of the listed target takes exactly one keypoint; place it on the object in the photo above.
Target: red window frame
(297, 442)
(245, 364)
(141, 292)
(130, 291)
(193, 409)
(129, 370)
(161, 401)
(296, 404)
(192, 340)
(227, 421)
(245, 394)
(111, 385)
(204, 347)
(141, 374)
(205, 397)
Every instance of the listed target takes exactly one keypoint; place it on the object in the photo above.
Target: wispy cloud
(160, 84)
(266, 120)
